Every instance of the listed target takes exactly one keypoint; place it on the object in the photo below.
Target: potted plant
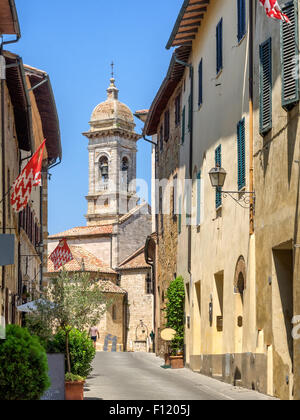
(70, 302)
(175, 320)
(74, 387)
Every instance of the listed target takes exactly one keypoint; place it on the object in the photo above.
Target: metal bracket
(244, 197)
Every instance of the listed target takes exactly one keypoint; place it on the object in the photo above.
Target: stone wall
(140, 308)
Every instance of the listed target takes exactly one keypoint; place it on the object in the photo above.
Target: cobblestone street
(139, 376)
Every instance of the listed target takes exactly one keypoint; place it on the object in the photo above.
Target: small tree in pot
(70, 302)
(175, 319)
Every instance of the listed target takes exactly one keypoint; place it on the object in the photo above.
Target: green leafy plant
(69, 377)
(72, 301)
(82, 351)
(23, 366)
(175, 312)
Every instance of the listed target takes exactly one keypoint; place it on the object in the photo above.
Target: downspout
(190, 157)
(251, 140)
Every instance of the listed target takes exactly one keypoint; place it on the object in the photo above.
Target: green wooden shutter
(198, 198)
(200, 81)
(265, 89)
(219, 35)
(218, 162)
(241, 154)
(183, 126)
(289, 37)
(241, 8)
(190, 113)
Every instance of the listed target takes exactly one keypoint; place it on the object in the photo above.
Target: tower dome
(112, 113)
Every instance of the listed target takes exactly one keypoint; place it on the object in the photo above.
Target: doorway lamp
(217, 177)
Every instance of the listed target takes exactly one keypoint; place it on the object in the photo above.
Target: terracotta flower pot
(74, 391)
(177, 362)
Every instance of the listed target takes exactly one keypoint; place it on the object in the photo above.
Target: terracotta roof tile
(137, 260)
(83, 257)
(84, 231)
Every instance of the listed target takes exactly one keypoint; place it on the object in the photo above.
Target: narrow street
(139, 376)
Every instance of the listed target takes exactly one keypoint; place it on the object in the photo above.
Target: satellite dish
(168, 334)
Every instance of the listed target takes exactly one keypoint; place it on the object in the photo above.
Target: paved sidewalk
(139, 376)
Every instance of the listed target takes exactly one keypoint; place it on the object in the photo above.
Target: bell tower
(112, 160)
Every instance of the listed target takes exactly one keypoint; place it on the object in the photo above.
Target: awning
(31, 306)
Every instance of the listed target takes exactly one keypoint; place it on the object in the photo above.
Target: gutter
(16, 23)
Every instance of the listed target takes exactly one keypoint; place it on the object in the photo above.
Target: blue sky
(75, 42)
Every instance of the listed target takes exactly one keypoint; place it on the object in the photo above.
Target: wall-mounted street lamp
(217, 177)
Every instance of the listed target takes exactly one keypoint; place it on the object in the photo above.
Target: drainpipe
(251, 140)
(190, 156)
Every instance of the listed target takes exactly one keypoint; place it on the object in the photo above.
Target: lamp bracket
(243, 198)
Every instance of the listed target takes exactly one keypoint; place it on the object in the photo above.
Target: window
(218, 162)
(183, 126)
(200, 78)
(288, 41)
(161, 210)
(124, 173)
(241, 6)
(104, 172)
(219, 46)
(167, 126)
(241, 154)
(114, 313)
(161, 138)
(265, 52)
(177, 109)
(198, 221)
(148, 284)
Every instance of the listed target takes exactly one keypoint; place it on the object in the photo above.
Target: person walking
(94, 334)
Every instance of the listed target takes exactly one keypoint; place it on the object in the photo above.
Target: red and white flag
(61, 255)
(30, 177)
(274, 11)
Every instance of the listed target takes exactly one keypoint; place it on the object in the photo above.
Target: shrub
(69, 377)
(23, 366)
(82, 351)
(175, 312)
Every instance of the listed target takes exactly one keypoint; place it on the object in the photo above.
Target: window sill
(241, 40)
(219, 73)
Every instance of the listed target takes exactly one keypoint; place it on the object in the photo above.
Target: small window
(167, 126)
(114, 312)
(265, 90)
(179, 215)
(219, 36)
(200, 77)
(161, 138)
(241, 8)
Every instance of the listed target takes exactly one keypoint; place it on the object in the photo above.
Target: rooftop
(84, 231)
(136, 260)
(9, 22)
(83, 260)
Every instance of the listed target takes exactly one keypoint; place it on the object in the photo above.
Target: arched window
(104, 171)
(114, 313)
(124, 170)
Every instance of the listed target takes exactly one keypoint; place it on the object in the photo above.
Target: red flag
(30, 177)
(274, 11)
(61, 255)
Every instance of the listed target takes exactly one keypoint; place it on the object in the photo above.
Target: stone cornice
(113, 132)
